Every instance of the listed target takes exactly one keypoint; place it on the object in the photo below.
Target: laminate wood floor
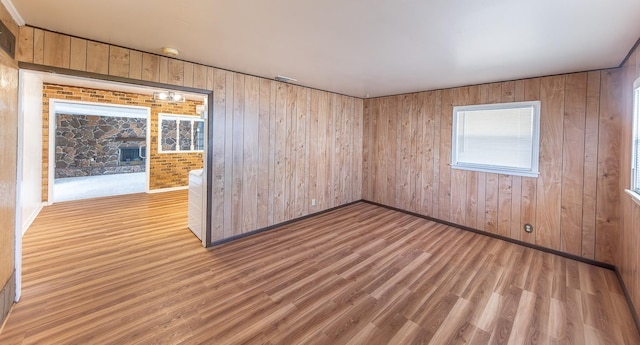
(126, 270)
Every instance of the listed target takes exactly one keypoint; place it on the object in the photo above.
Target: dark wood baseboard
(522, 243)
(627, 296)
(271, 227)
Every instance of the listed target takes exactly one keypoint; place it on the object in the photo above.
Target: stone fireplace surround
(88, 145)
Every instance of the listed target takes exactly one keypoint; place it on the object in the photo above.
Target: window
(499, 138)
(635, 159)
(180, 133)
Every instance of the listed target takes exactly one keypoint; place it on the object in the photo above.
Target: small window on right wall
(499, 138)
(635, 158)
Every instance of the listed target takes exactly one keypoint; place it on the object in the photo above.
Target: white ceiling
(360, 47)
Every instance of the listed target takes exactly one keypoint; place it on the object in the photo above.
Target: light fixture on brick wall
(168, 96)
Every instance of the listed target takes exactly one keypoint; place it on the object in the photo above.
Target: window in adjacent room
(498, 138)
(180, 133)
(635, 158)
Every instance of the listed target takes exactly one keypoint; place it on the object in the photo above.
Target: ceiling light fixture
(168, 96)
(170, 51)
(284, 79)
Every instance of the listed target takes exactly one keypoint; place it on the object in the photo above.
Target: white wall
(30, 115)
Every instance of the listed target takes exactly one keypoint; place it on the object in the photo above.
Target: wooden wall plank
(504, 204)
(119, 61)
(291, 152)
(416, 152)
(210, 81)
(219, 126)
(263, 146)
(324, 170)
(175, 72)
(38, 46)
(427, 113)
(24, 49)
(237, 207)
(78, 55)
(549, 190)
(492, 187)
(57, 48)
(250, 153)
(358, 145)
(573, 163)
(589, 194)
(187, 79)
(481, 218)
(163, 70)
(380, 173)
(200, 76)
(436, 153)
(150, 67)
(279, 206)
(366, 150)
(228, 153)
(135, 64)
(272, 151)
(300, 135)
(609, 148)
(313, 147)
(403, 169)
(446, 118)
(97, 57)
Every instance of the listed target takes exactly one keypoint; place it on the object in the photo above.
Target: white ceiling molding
(13, 12)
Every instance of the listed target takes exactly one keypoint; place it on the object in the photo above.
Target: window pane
(497, 138)
(501, 137)
(185, 135)
(168, 137)
(636, 143)
(198, 135)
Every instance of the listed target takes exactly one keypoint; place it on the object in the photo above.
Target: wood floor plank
(126, 269)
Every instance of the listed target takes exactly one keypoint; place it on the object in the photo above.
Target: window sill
(634, 196)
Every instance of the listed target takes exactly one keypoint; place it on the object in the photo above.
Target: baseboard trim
(171, 189)
(507, 239)
(32, 218)
(627, 296)
(272, 227)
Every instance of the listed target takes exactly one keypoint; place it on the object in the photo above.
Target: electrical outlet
(313, 202)
(528, 228)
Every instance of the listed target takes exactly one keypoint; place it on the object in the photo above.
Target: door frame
(208, 154)
(52, 142)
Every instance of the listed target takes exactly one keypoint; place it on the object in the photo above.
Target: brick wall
(167, 170)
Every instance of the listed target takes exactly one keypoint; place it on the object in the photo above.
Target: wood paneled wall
(8, 171)
(628, 258)
(276, 146)
(573, 204)
(284, 146)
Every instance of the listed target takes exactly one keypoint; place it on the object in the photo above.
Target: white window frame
(178, 118)
(507, 170)
(633, 191)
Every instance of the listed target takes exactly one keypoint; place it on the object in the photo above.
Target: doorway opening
(97, 149)
(45, 97)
